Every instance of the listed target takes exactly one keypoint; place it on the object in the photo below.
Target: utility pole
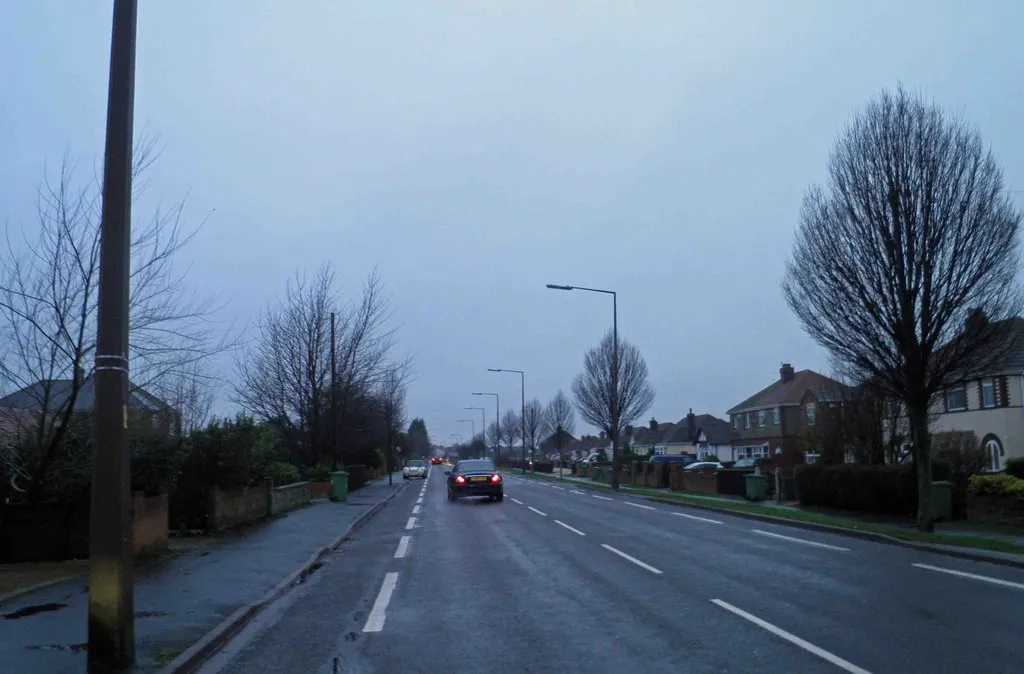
(334, 399)
(111, 628)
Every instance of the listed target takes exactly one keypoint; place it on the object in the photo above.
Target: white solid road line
(699, 519)
(636, 561)
(575, 531)
(416, 510)
(801, 540)
(637, 505)
(375, 622)
(403, 547)
(515, 500)
(537, 511)
(410, 524)
(793, 639)
(973, 576)
(603, 498)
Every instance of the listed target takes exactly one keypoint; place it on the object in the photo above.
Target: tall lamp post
(497, 420)
(472, 425)
(111, 627)
(615, 371)
(483, 433)
(522, 413)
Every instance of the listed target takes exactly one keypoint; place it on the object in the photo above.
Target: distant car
(435, 460)
(475, 477)
(682, 459)
(704, 465)
(415, 468)
(765, 463)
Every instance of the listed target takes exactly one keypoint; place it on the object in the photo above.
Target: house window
(760, 418)
(810, 414)
(995, 452)
(746, 420)
(988, 393)
(775, 416)
(956, 398)
(812, 457)
(735, 422)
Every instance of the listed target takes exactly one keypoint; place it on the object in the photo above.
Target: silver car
(415, 468)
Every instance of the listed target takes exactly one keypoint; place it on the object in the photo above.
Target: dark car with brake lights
(475, 477)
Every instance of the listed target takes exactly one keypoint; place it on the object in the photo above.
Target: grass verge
(796, 515)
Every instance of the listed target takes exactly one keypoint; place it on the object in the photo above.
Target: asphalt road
(557, 579)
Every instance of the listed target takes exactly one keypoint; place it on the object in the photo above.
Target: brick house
(775, 421)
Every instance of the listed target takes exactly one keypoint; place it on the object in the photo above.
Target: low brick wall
(149, 523)
(319, 489)
(229, 509)
(1005, 510)
(289, 496)
(700, 481)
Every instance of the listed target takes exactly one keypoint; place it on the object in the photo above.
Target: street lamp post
(615, 371)
(472, 426)
(522, 413)
(497, 420)
(483, 433)
(111, 627)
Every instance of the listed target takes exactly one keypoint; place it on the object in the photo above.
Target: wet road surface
(558, 579)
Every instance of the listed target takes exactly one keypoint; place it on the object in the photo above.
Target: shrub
(997, 485)
(1015, 467)
(710, 457)
(544, 466)
(321, 472)
(357, 476)
(882, 490)
(280, 473)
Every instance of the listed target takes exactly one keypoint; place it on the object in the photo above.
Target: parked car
(682, 459)
(703, 465)
(766, 464)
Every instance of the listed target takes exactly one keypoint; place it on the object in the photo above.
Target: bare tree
(48, 301)
(559, 419)
(534, 426)
(391, 391)
(494, 437)
(285, 373)
(596, 398)
(510, 429)
(191, 393)
(913, 235)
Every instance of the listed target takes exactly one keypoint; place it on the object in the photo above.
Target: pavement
(179, 599)
(559, 579)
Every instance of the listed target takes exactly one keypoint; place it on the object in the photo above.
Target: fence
(700, 481)
(49, 532)
(227, 509)
(289, 496)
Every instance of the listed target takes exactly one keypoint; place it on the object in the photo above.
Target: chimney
(691, 425)
(976, 319)
(786, 372)
(653, 425)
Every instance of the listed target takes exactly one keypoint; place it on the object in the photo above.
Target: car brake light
(495, 478)
(460, 479)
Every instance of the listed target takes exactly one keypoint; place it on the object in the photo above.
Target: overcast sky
(476, 150)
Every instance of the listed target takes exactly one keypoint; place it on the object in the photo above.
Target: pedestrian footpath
(179, 599)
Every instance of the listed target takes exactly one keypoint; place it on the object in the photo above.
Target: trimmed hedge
(539, 466)
(357, 476)
(882, 490)
(1015, 467)
(997, 485)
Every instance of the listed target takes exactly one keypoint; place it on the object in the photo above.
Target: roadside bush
(1015, 467)
(882, 490)
(544, 466)
(710, 457)
(997, 485)
(357, 476)
(281, 473)
(155, 463)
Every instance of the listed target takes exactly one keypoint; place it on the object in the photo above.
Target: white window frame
(963, 389)
(811, 458)
(991, 385)
(775, 415)
(746, 420)
(811, 414)
(761, 418)
(735, 422)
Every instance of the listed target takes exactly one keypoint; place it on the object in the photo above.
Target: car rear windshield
(416, 464)
(472, 466)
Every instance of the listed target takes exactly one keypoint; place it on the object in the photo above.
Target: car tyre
(499, 498)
